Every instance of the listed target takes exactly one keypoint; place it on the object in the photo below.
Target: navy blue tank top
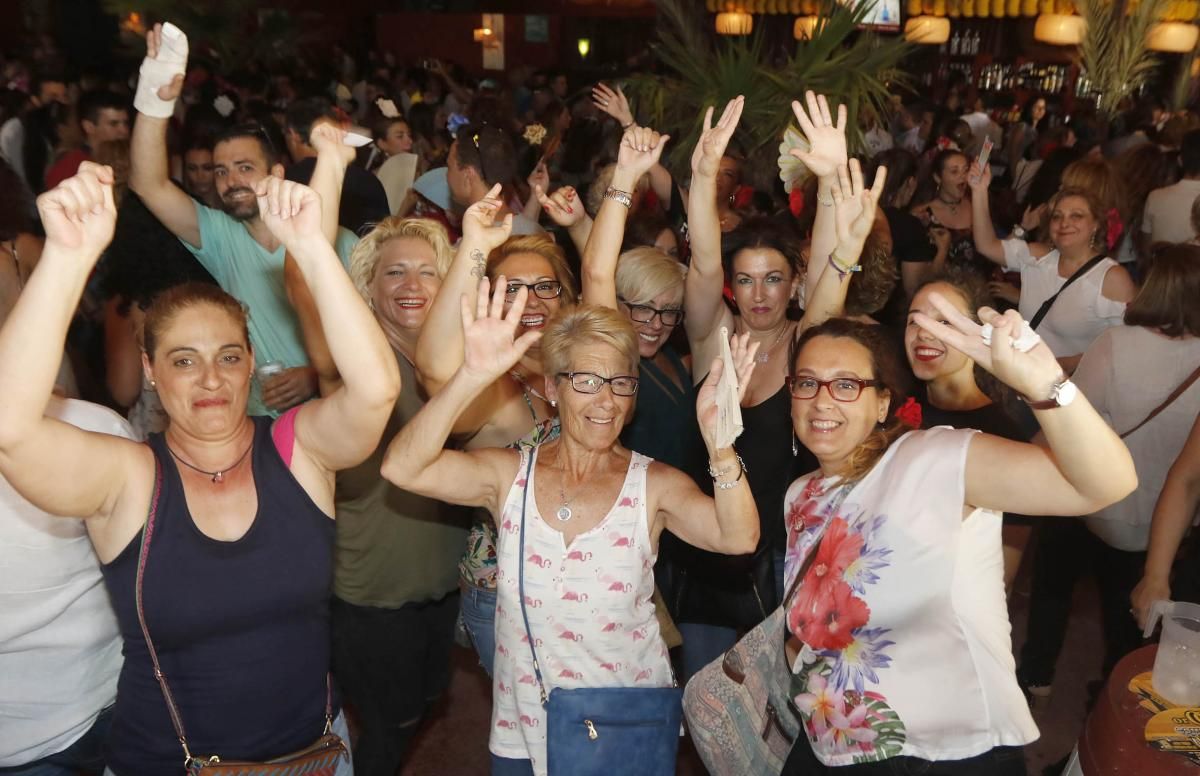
(241, 627)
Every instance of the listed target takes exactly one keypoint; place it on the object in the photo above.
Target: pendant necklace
(564, 512)
(217, 476)
(762, 356)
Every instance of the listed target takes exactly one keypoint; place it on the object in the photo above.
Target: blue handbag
(600, 731)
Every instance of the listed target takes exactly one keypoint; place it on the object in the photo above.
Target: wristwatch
(620, 196)
(1019, 232)
(1062, 393)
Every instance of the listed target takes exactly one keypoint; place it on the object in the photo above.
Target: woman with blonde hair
(514, 410)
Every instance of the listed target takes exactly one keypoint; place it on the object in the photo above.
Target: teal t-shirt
(254, 275)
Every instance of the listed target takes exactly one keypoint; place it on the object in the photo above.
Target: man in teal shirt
(233, 244)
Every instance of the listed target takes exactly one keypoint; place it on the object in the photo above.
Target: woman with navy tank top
(236, 585)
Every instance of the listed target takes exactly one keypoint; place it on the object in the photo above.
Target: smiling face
(201, 366)
(1072, 224)
(529, 268)
(831, 429)
(929, 357)
(405, 283)
(763, 285)
(653, 334)
(593, 420)
(953, 178)
(398, 139)
(238, 165)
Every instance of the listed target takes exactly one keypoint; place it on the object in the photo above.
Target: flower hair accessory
(387, 108)
(534, 134)
(909, 413)
(1114, 228)
(792, 171)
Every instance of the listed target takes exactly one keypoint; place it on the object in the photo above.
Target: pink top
(589, 606)
(283, 433)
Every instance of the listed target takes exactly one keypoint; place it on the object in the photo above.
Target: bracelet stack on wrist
(843, 269)
(715, 473)
(826, 202)
(623, 197)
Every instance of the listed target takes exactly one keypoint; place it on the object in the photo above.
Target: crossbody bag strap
(537, 671)
(1046, 305)
(1175, 394)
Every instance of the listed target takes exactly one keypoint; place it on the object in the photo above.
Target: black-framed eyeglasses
(644, 313)
(543, 289)
(844, 389)
(587, 382)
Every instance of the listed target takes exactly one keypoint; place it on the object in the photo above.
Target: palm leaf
(1114, 47)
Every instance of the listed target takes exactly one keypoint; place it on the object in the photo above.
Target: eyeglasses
(844, 389)
(586, 382)
(543, 289)
(644, 313)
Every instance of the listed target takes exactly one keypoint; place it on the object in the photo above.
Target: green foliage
(856, 68)
(1114, 47)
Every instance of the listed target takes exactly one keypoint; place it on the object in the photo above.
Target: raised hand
(154, 46)
(539, 178)
(1032, 218)
(979, 179)
(479, 224)
(641, 148)
(328, 138)
(706, 159)
(854, 208)
(1031, 374)
(743, 352)
(562, 205)
(79, 214)
(613, 103)
(490, 347)
(826, 138)
(290, 210)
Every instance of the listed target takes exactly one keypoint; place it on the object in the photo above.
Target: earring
(553, 403)
(795, 445)
(153, 384)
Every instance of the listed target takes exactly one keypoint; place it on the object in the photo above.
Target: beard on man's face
(241, 208)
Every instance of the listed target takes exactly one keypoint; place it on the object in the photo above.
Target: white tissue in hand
(1023, 344)
(729, 409)
(355, 140)
(160, 71)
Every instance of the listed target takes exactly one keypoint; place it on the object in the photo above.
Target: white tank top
(903, 613)
(589, 606)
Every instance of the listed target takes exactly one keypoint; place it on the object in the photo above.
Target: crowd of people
(310, 374)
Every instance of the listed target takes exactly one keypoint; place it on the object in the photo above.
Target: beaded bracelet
(841, 270)
(728, 485)
(714, 473)
(827, 202)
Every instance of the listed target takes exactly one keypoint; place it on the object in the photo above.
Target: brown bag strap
(1175, 394)
(143, 554)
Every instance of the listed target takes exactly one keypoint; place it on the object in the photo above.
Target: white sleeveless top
(903, 614)
(1079, 315)
(589, 606)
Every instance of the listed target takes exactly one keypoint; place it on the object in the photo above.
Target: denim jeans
(479, 618)
(702, 644)
(345, 767)
(83, 756)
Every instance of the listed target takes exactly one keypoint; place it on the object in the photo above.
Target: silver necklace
(564, 512)
(763, 357)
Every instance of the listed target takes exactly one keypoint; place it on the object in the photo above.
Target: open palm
(855, 206)
(490, 347)
(826, 138)
(706, 159)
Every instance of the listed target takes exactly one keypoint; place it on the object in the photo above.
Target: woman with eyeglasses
(587, 511)
(515, 409)
(761, 260)
(898, 637)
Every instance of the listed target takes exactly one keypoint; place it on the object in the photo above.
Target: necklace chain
(763, 356)
(217, 476)
(520, 378)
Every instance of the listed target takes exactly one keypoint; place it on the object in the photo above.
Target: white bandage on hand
(1022, 344)
(159, 71)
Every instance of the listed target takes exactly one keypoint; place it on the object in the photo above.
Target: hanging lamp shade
(1173, 37)
(734, 23)
(1059, 29)
(927, 30)
(804, 27)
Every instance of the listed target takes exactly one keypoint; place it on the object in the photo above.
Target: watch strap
(1050, 403)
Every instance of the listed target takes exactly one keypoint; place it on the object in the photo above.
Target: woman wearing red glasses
(899, 635)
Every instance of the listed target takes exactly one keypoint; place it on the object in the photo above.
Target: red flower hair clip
(910, 413)
(1115, 228)
(796, 201)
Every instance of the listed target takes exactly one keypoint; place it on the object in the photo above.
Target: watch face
(1066, 393)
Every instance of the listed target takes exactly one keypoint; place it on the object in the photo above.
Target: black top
(664, 423)
(364, 202)
(990, 419)
(766, 447)
(910, 243)
(241, 627)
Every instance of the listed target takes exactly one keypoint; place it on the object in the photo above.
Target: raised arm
(703, 302)
(854, 208)
(825, 157)
(301, 299)
(58, 467)
(1086, 466)
(1172, 517)
(640, 150)
(727, 522)
(333, 156)
(339, 430)
(565, 209)
(417, 460)
(159, 86)
(440, 346)
(986, 241)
